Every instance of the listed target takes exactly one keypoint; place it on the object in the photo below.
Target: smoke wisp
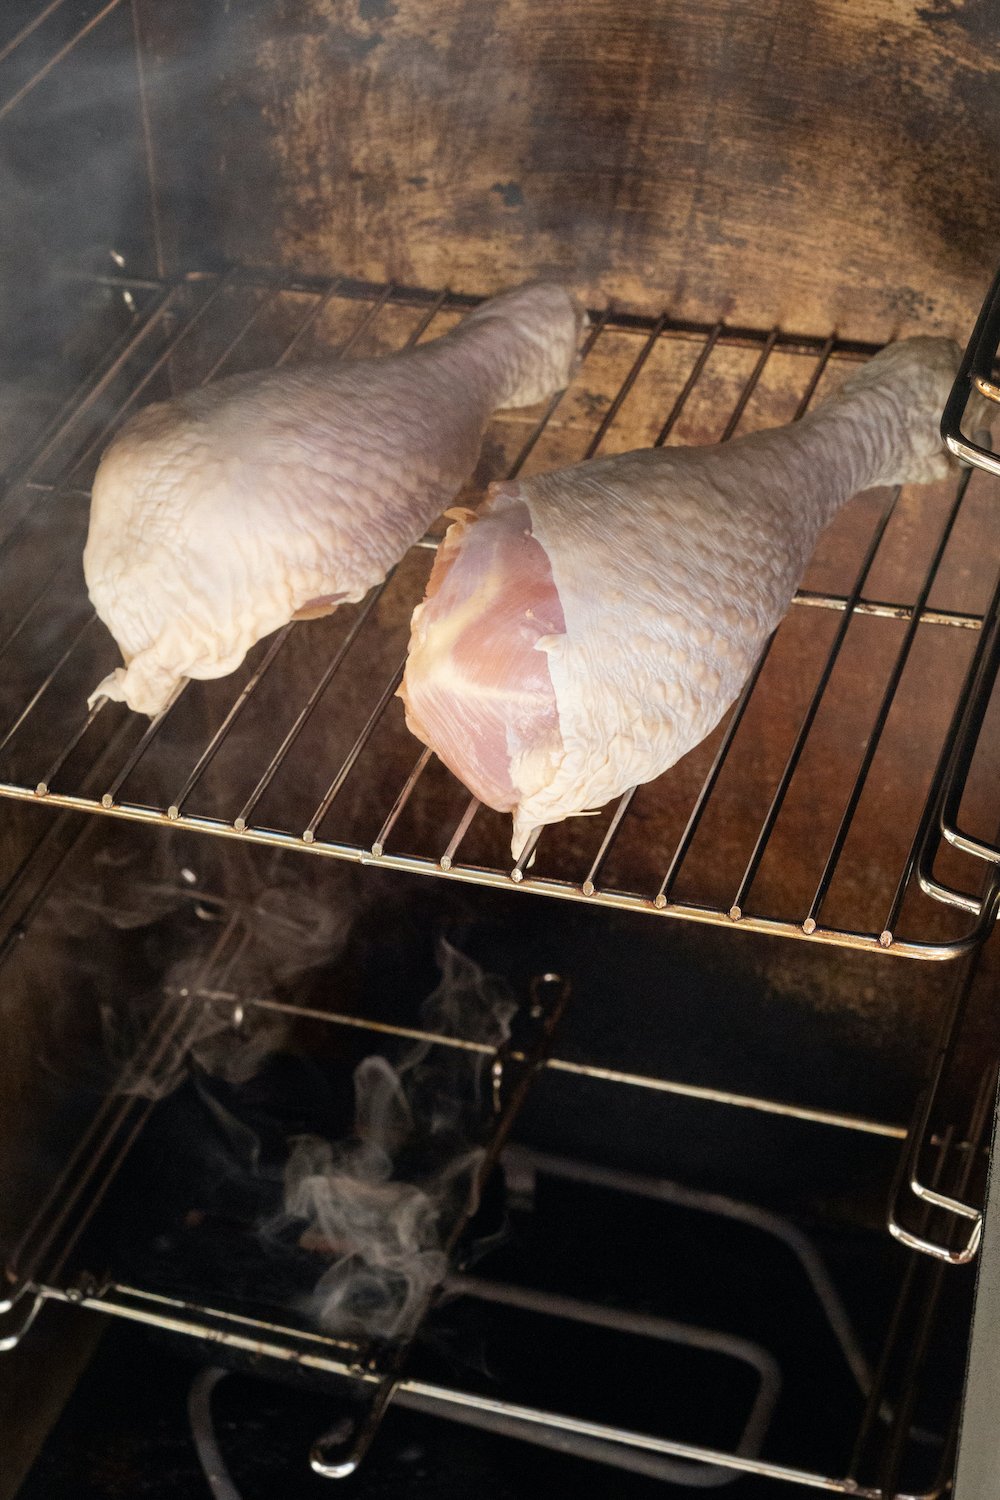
(381, 1205)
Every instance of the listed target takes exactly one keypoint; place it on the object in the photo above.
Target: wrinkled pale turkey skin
(586, 628)
(221, 515)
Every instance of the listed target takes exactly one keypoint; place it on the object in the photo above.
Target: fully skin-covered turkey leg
(221, 515)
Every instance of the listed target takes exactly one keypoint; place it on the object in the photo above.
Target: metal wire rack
(932, 1211)
(50, 1264)
(813, 812)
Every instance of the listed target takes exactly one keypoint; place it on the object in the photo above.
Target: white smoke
(198, 1016)
(381, 1205)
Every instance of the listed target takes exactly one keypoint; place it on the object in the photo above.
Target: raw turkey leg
(219, 516)
(586, 628)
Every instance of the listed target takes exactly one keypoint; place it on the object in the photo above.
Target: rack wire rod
(366, 322)
(135, 755)
(589, 885)
(242, 822)
(118, 1300)
(799, 743)
(39, 692)
(180, 334)
(442, 1396)
(708, 1095)
(43, 595)
(265, 304)
(42, 788)
(883, 609)
(356, 1023)
(236, 708)
(314, 313)
(736, 415)
(621, 395)
(426, 320)
(20, 928)
(51, 834)
(569, 1444)
(884, 708)
(708, 785)
(598, 326)
(560, 890)
(679, 329)
(920, 843)
(694, 375)
(117, 1104)
(29, 27)
(378, 847)
(93, 385)
(350, 760)
(70, 491)
(526, 856)
(595, 1071)
(465, 822)
(148, 151)
(219, 1315)
(43, 72)
(819, 370)
(127, 281)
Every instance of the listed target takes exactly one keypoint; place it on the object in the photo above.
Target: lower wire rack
(814, 811)
(179, 1258)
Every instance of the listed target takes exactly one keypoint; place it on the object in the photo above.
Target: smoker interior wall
(817, 165)
(73, 186)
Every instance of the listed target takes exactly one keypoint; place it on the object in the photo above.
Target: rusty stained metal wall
(817, 165)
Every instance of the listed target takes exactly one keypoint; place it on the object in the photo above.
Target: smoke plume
(381, 1205)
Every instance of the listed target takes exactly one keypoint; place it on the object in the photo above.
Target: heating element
(813, 812)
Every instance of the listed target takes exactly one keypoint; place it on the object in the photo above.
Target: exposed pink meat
(486, 691)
